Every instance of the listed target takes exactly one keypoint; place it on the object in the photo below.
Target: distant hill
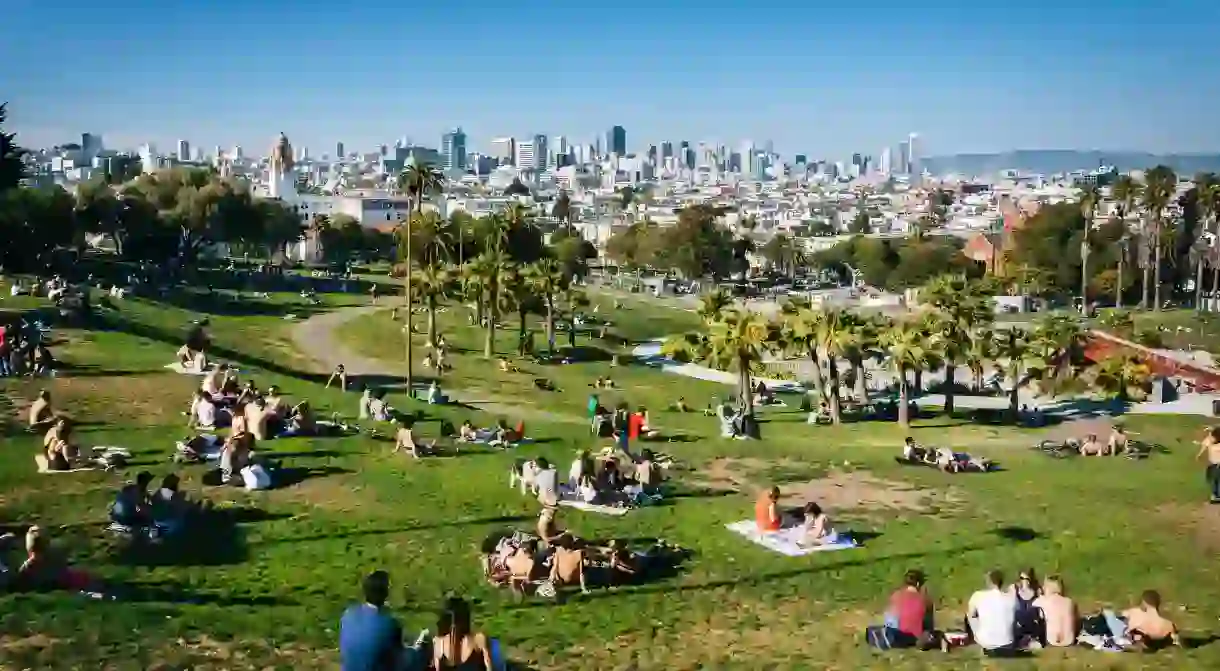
(1065, 160)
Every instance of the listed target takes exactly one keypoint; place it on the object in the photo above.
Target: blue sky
(825, 81)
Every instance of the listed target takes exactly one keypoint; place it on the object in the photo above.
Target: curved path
(317, 339)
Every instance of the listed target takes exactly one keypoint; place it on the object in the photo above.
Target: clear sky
(821, 78)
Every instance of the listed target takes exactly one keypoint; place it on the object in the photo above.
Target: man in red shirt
(910, 612)
(635, 423)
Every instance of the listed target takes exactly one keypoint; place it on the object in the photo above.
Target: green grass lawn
(267, 592)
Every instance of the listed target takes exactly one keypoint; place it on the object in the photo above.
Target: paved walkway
(317, 339)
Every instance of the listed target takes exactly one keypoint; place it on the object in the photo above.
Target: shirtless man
(1211, 447)
(1118, 440)
(1091, 447)
(404, 440)
(568, 564)
(41, 414)
(1145, 624)
(548, 529)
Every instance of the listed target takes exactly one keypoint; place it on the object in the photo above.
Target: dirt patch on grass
(332, 493)
(22, 644)
(209, 653)
(837, 490)
(139, 400)
(1201, 521)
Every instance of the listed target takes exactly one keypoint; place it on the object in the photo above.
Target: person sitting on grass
(1144, 625)
(816, 529)
(910, 613)
(1026, 590)
(1058, 614)
(1091, 447)
(506, 367)
(276, 407)
(249, 393)
(568, 563)
(991, 617)
(582, 466)
(186, 357)
(435, 397)
(257, 419)
(236, 453)
(379, 409)
(370, 639)
(467, 433)
(44, 361)
(204, 415)
(44, 569)
(60, 451)
(131, 507)
(548, 528)
(457, 646)
(168, 505)
(680, 405)
(338, 375)
(300, 421)
(42, 416)
(1119, 442)
(214, 380)
(404, 438)
(522, 564)
(767, 516)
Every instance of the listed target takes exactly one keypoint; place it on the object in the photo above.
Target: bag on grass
(255, 477)
(879, 637)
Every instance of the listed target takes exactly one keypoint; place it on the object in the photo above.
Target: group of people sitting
(815, 525)
(1118, 443)
(154, 514)
(371, 639)
(24, 352)
(500, 435)
(622, 424)
(612, 479)
(1006, 620)
(553, 559)
(943, 458)
(220, 402)
(43, 568)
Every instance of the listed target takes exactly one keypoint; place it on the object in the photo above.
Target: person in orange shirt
(766, 511)
(635, 423)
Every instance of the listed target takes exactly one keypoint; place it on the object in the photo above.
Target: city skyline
(992, 79)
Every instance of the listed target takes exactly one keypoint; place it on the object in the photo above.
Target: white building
(504, 149)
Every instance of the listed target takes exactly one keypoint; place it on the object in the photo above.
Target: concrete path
(317, 339)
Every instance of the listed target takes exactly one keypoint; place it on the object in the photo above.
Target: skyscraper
(886, 159)
(616, 141)
(667, 150)
(339, 153)
(531, 154)
(504, 149)
(913, 163)
(453, 149)
(237, 155)
(904, 158)
(184, 150)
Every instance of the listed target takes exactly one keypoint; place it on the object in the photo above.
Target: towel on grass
(45, 467)
(594, 508)
(785, 540)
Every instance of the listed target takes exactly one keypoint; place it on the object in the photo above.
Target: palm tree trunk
(1084, 283)
(489, 345)
(1215, 286)
(571, 321)
(1156, 269)
(522, 326)
(406, 288)
(918, 381)
(550, 324)
(832, 370)
(857, 365)
(1147, 273)
(904, 411)
(819, 383)
(950, 373)
(747, 392)
(1013, 401)
(1118, 288)
(432, 321)
(1199, 285)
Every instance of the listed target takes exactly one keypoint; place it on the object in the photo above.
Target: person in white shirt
(991, 616)
(203, 411)
(547, 483)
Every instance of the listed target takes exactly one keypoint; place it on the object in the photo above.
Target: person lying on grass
(131, 507)
(42, 415)
(301, 421)
(568, 563)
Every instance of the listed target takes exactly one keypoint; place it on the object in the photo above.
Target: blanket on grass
(594, 508)
(183, 370)
(785, 540)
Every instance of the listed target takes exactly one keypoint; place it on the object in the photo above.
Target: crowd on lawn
(1010, 620)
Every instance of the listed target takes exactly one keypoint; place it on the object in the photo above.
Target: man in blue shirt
(370, 639)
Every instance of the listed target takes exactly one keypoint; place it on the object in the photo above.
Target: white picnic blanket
(593, 507)
(785, 540)
(183, 370)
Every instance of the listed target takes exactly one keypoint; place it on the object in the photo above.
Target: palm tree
(1090, 198)
(963, 308)
(491, 272)
(1011, 346)
(800, 336)
(1125, 378)
(741, 339)
(1127, 193)
(909, 349)
(1160, 184)
(978, 352)
(862, 347)
(713, 304)
(418, 180)
(517, 219)
(494, 229)
(434, 236)
(546, 279)
(562, 210)
(838, 335)
(1207, 186)
(433, 283)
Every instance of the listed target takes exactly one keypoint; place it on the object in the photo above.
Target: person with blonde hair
(1059, 614)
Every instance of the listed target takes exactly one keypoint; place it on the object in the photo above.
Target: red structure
(1101, 345)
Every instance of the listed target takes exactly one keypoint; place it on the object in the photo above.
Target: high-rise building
(616, 141)
(913, 159)
(904, 158)
(531, 154)
(884, 166)
(652, 154)
(384, 150)
(453, 149)
(667, 150)
(687, 155)
(339, 154)
(749, 154)
(237, 156)
(543, 152)
(800, 159)
(504, 149)
(184, 150)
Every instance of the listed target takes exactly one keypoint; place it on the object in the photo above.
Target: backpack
(880, 637)
(256, 477)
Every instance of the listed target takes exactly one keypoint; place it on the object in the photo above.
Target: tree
(698, 244)
(1125, 378)
(861, 223)
(1090, 198)
(1011, 346)
(12, 163)
(740, 340)
(419, 180)
(713, 305)
(562, 210)
(517, 188)
(433, 284)
(97, 210)
(433, 238)
(909, 349)
(1207, 187)
(546, 280)
(802, 328)
(963, 307)
(33, 223)
(491, 273)
(524, 240)
(782, 253)
(341, 236)
(1159, 186)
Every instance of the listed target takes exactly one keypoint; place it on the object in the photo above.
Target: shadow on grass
(212, 537)
(1017, 534)
(302, 453)
(176, 593)
(386, 531)
(287, 476)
